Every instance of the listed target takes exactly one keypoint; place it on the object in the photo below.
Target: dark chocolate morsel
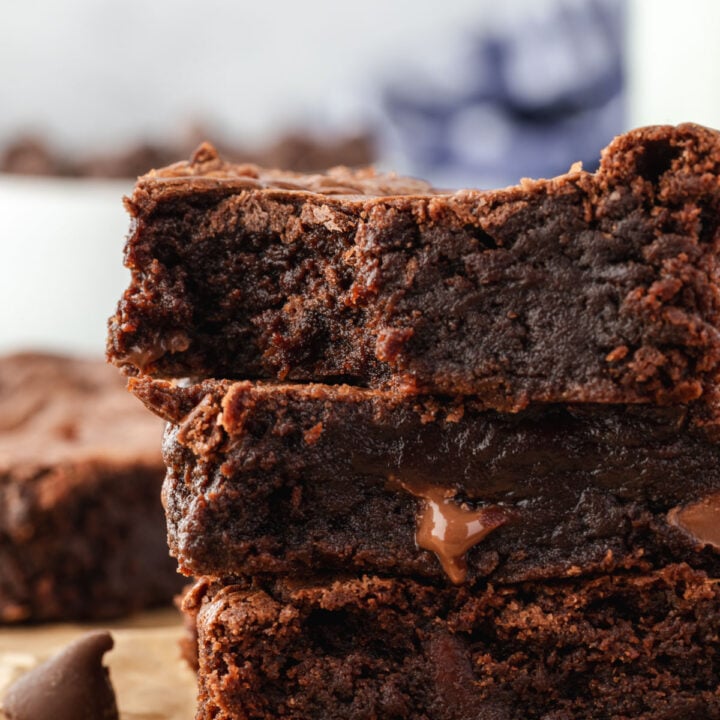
(72, 685)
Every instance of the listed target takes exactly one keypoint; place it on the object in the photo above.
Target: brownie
(589, 287)
(82, 533)
(31, 155)
(274, 478)
(640, 646)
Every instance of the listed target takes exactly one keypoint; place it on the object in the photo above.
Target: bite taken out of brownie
(300, 479)
(613, 647)
(82, 532)
(588, 287)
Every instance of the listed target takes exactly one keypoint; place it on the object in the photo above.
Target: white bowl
(61, 271)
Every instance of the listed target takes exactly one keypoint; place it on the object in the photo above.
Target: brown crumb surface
(617, 647)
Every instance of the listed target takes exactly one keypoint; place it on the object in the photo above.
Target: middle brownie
(269, 478)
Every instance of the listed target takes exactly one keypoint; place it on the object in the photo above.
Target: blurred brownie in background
(82, 533)
(32, 155)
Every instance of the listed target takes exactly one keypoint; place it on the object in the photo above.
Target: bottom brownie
(617, 647)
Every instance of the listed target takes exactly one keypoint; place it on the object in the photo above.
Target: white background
(673, 53)
(93, 72)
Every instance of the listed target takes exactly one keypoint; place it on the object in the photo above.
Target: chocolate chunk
(450, 529)
(72, 685)
(700, 519)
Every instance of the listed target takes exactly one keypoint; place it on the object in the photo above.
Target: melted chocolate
(72, 685)
(700, 519)
(450, 529)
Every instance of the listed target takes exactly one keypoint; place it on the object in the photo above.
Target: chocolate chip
(72, 685)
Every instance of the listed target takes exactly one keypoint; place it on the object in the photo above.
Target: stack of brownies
(440, 455)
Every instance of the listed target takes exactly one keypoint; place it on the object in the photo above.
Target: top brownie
(589, 287)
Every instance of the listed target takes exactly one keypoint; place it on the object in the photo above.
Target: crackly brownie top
(206, 167)
(56, 409)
